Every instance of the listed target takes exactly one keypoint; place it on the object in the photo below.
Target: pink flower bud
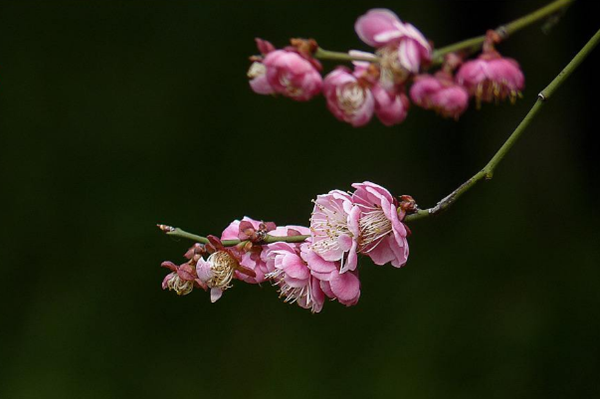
(348, 98)
(291, 75)
(441, 94)
(391, 106)
(491, 77)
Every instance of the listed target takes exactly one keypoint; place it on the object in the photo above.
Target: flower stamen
(373, 225)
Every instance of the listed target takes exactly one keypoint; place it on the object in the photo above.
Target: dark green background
(115, 116)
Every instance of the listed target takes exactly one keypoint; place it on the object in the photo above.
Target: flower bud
(291, 75)
(491, 77)
(440, 94)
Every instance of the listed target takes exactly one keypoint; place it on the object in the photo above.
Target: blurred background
(115, 116)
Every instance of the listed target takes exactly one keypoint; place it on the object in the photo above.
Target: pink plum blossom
(348, 98)
(216, 272)
(345, 287)
(334, 229)
(367, 222)
(251, 229)
(382, 235)
(290, 273)
(401, 47)
(491, 77)
(441, 94)
(292, 75)
(391, 106)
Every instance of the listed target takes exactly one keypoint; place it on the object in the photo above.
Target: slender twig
(468, 45)
(474, 44)
(488, 171)
(177, 232)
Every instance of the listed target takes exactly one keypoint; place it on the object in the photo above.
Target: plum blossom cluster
(381, 83)
(307, 264)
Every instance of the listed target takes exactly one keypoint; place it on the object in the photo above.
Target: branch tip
(167, 229)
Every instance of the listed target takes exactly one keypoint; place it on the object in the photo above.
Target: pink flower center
(391, 70)
(351, 97)
(328, 225)
(290, 89)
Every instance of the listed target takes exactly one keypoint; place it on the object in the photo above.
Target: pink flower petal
(376, 22)
(215, 294)
(295, 267)
(346, 288)
(203, 270)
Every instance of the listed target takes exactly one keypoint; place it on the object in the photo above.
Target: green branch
(488, 171)
(177, 232)
(474, 44)
(469, 45)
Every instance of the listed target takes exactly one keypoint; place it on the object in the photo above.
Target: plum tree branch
(470, 45)
(475, 43)
(484, 174)
(488, 170)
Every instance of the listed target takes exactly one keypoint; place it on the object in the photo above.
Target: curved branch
(488, 171)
